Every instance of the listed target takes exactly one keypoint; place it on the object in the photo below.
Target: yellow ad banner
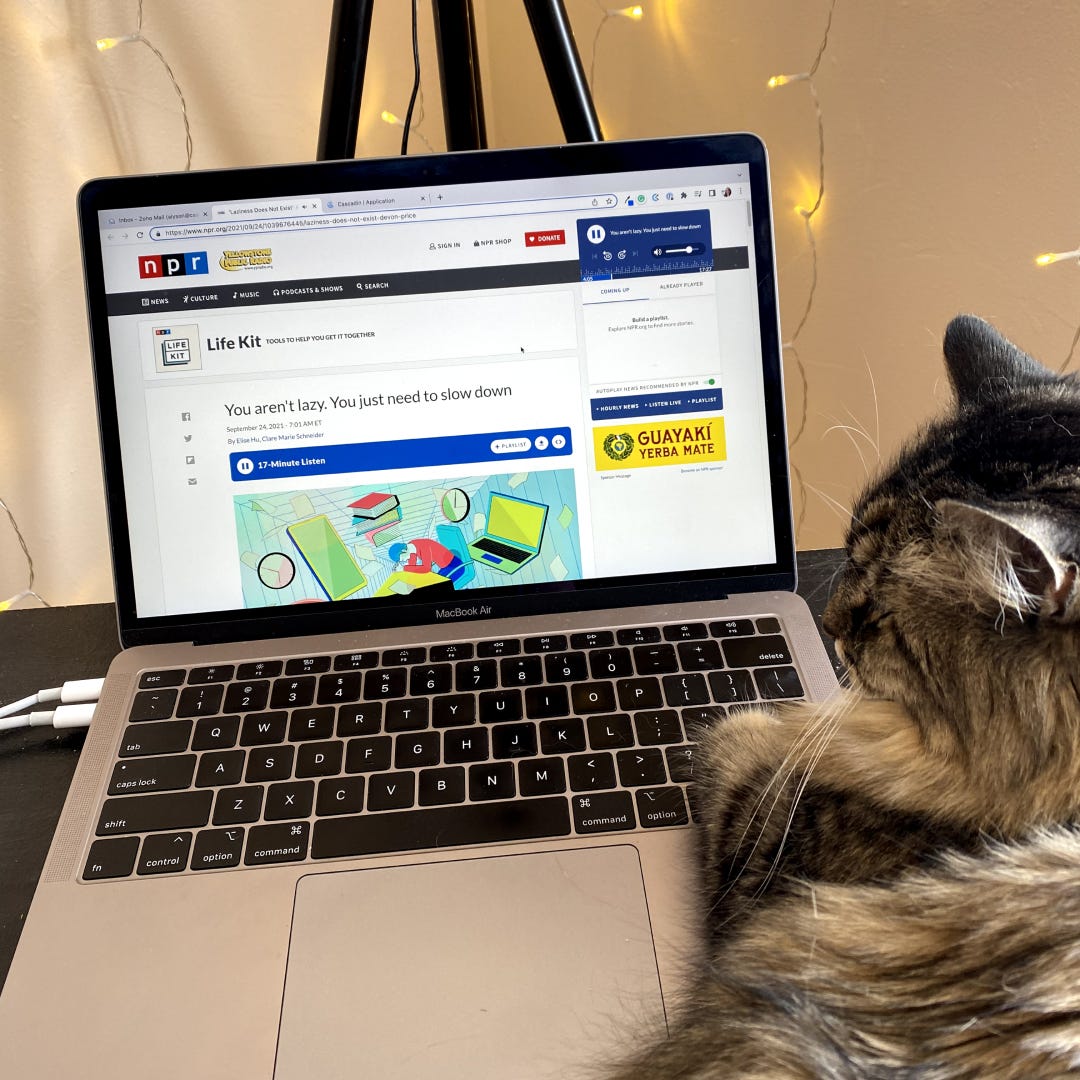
(664, 442)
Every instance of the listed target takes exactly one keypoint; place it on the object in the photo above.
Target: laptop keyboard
(336, 756)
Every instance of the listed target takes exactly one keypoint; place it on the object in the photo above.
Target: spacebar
(443, 826)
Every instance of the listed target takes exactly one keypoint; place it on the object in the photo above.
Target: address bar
(388, 217)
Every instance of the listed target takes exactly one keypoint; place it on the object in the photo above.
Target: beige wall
(951, 149)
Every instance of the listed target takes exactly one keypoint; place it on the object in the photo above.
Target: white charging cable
(75, 702)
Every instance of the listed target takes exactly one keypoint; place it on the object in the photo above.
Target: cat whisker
(844, 513)
(848, 431)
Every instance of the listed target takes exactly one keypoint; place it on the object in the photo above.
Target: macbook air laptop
(356, 801)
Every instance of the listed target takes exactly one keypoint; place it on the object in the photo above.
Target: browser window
(358, 395)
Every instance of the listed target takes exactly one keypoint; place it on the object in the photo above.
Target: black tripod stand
(459, 73)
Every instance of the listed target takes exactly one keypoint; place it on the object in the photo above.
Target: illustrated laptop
(512, 533)
(357, 800)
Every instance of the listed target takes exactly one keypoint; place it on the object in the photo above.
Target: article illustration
(391, 539)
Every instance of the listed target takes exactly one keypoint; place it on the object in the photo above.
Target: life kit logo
(178, 265)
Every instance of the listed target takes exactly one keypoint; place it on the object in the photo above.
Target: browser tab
(267, 208)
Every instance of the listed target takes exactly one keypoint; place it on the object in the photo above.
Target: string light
(636, 12)
(104, 44)
(1048, 259)
(807, 214)
(29, 590)
(392, 118)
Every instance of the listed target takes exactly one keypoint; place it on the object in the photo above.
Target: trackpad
(525, 966)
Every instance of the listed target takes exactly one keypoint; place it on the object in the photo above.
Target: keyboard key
(453, 651)
(391, 791)
(500, 647)
(680, 762)
(610, 663)
(292, 800)
(546, 644)
(469, 744)
(152, 774)
(453, 710)
(416, 654)
(500, 706)
(431, 679)
(685, 632)
(470, 823)
(200, 700)
(319, 759)
(541, 776)
(284, 842)
(153, 705)
(731, 628)
(151, 813)
(639, 693)
(164, 854)
(152, 680)
(594, 697)
(258, 669)
(562, 736)
(269, 763)
(521, 671)
(566, 667)
(638, 635)
(357, 661)
(293, 693)
(513, 740)
(728, 686)
(216, 733)
(216, 673)
(440, 787)
(643, 766)
(476, 675)
(544, 702)
(167, 737)
(247, 696)
(316, 722)
(414, 751)
(768, 625)
(661, 726)
(756, 651)
(217, 848)
(111, 858)
(661, 806)
(337, 689)
(494, 780)
(368, 755)
(592, 639)
(307, 665)
(778, 682)
(696, 718)
(699, 655)
(610, 732)
(591, 772)
(688, 689)
(611, 811)
(262, 729)
(385, 683)
(365, 719)
(220, 767)
(238, 805)
(410, 714)
(343, 795)
(655, 659)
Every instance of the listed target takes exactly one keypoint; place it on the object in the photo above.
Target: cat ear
(983, 365)
(1018, 559)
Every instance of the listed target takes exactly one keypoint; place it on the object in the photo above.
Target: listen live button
(545, 239)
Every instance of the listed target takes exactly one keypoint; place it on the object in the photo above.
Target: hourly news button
(545, 239)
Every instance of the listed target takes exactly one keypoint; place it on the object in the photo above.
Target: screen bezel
(457, 168)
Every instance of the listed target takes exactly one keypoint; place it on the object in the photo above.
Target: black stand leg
(350, 31)
(565, 76)
(459, 72)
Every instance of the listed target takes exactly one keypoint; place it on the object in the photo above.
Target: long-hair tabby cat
(893, 880)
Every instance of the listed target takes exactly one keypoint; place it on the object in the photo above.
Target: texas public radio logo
(181, 264)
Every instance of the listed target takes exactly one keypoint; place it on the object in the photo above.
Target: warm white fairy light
(807, 214)
(104, 44)
(636, 12)
(1056, 256)
(392, 118)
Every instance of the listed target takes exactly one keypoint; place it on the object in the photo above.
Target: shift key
(151, 813)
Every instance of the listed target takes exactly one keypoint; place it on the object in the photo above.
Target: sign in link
(396, 454)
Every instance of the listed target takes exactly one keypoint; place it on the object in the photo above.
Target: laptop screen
(438, 385)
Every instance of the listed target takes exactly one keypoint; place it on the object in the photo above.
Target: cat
(892, 880)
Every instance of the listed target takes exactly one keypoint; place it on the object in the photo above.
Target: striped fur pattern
(892, 880)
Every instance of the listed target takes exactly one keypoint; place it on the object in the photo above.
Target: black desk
(42, 647)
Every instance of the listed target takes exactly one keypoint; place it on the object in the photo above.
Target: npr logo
(184, 262)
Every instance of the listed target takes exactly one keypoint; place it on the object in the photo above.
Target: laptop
(513, 530)
(358, 801)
